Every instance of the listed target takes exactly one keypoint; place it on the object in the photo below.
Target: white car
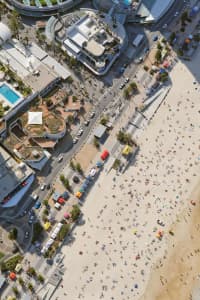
(126, 80)
(42, 187)
(86, 123)
(60, 158)
(35, 197)
(92, 114)
(164, 26)
(80, 132)
(75, 140)
(176, 14)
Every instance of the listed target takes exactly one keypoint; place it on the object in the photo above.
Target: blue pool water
(8, 93)
(127, 2)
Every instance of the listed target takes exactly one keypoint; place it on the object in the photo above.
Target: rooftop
(12, 173)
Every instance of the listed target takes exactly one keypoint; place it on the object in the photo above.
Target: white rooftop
(35, 118)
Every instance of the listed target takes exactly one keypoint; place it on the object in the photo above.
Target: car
(155, 38)
(61, 200)
(146, 50)
(26, 235)
(121, 70)
(121, 86)
(80, 132)
(42, 187)
(35, 197)
(60, 158)
(76, 179)
(75, 140)
(49, 261)
(86, 123)
(92, 114)
(37, 205)
(126, 80)
(141, 59)
(164, 26)
(125, 65)
(48, 186)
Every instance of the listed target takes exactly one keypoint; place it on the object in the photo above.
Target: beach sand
(114, 251)
(176, 276)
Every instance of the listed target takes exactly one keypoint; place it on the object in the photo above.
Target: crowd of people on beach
(128, 233)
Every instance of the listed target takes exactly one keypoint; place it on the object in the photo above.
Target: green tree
(30, 287)
(96, 142)
(31, 271)
(63, 231)
(79, 168)
(15, 291)
(13, 234)
(72, 165)
(40, 278)
(104, 120)
(126, 93)
(158, 55)
(14, 23)
(21, 281)
(75, 213)
(46, 202)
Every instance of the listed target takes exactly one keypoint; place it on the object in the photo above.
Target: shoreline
(178, 275)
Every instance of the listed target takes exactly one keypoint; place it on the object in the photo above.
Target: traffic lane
(169, 16)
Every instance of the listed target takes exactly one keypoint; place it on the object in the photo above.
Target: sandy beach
(117, 254)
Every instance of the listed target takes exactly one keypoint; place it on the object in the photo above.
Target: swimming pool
(8, 93)
(127, 2)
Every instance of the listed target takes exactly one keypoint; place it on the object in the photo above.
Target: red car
(61, 200)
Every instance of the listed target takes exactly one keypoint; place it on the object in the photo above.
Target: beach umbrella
(136, 286)
(12, 276)
(66, 215)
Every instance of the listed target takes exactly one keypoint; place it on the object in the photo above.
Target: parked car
(61, 201)
(35, 197)
(92, 114)
(57, 205)
(26, 235)
(75, 140)
(37, 205)
(60, 158)
(42, 187)
(48, 186)
(86, 123)
(126, 80)
(155, 38)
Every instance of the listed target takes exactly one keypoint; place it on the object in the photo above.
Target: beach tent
(104, 154)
